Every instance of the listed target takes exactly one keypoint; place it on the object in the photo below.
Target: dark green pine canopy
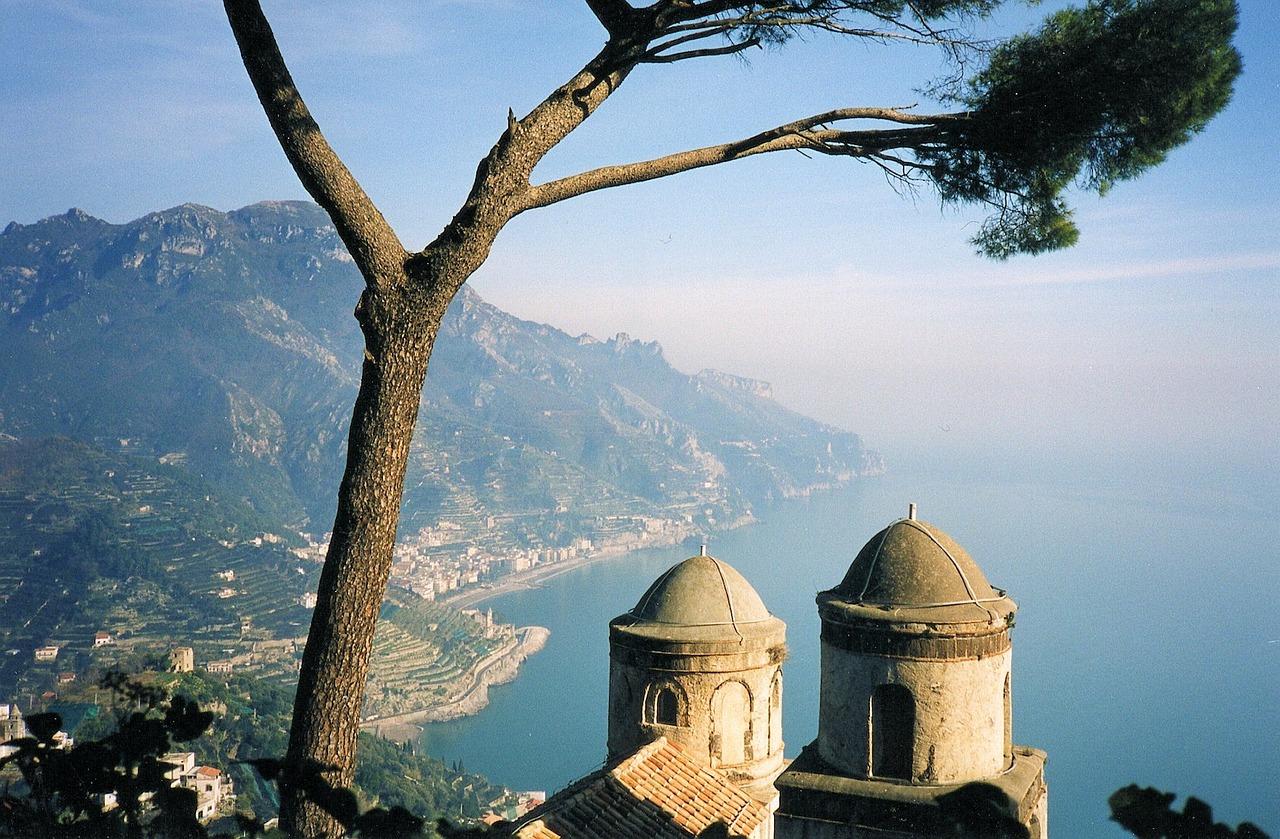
(1098, 95)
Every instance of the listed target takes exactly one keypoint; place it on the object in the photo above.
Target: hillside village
(236, 602)
(106, 569)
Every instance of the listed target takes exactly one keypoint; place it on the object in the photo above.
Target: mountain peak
(304, 213)
(624, 344)
(72, 218)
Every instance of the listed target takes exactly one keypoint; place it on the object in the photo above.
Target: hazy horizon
(863, 308)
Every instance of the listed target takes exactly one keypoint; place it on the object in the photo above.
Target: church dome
(701, 591)
(912, 571)
(698, 659)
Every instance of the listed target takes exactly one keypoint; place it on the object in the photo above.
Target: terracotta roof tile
(658, 792)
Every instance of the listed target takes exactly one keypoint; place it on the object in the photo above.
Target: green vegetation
(238, 725)
(1147, 814)
(393, 775)
(92, 542)
(1095, 96)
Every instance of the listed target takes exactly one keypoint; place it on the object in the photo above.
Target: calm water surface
(1147, 647)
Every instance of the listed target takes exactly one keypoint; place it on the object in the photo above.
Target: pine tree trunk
(399, 333)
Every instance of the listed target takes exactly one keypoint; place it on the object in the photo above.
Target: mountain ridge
(224, 342)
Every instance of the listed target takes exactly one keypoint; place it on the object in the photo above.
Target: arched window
(775, 713)
(664, 705)
(893, 724)
(731, 735)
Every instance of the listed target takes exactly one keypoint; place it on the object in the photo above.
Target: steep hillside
(223, 343)
(98, 542)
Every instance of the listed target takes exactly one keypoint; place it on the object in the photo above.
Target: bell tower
(699, 661)
(915, 708)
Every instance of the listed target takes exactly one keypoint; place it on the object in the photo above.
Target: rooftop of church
(658, 792)
(701, 591)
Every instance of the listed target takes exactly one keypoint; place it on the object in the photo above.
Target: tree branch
(614, 15)
(502, 179)
(682, 10)
(784, 17)
(656, 57)
(801, 135)
(373, 244)
(693, 33)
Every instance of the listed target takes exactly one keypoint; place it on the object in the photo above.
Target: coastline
(498, 668)
(503, 666)
(533, 577)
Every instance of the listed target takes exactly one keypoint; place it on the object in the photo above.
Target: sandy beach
(530, 579)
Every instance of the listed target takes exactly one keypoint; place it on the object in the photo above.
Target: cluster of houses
(49, 653)
(181, 659)
(448, 556)
(431, 568)
(471, 548)
(212, 787)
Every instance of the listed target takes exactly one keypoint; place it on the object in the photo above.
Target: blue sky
(863, 308)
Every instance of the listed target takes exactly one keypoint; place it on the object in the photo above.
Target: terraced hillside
(94, 542)
(425, 653)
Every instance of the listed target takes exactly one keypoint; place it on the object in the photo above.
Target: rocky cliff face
(224, 342)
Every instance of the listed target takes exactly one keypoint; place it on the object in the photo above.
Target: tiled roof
(659, 792)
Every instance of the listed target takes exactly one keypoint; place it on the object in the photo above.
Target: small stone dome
(914, 571)
(701, 591)
(698, 660)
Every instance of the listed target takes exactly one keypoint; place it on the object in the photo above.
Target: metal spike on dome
(911, 511)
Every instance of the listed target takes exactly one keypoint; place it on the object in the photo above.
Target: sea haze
(1147, 648)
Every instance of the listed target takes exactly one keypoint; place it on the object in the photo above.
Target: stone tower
(182, 660)
(698, 660)
(915, 712)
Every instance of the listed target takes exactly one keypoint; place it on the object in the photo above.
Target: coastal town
(445, 560)
(438, 651)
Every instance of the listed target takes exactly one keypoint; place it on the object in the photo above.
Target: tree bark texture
(335, 662)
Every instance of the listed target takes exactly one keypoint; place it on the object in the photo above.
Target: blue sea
(1147, 647)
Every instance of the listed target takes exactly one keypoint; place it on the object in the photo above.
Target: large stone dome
(698, 660)
(912, 571)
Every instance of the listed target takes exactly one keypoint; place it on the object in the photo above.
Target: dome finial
(702, 550)
(911, 511)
